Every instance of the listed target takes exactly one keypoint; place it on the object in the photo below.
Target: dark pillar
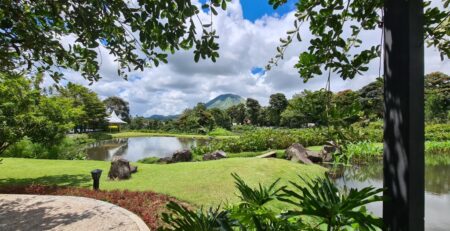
(404, 115)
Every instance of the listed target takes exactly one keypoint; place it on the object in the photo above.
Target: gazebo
(114, 121)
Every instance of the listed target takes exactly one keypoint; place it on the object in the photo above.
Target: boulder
(181, 156)
(133, 169)
(328, 150)
(297, 153)
(218, 154)
(166, 160)
(313, 156)
(120, 169)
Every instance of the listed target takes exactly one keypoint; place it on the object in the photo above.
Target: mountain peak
(225, 101)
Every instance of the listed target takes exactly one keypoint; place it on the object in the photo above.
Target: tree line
(308, 108)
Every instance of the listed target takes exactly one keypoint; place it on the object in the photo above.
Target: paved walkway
(33, 212)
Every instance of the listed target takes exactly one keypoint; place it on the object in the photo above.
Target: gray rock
(297, 153)
(315, 157)
(120, 169)
(133, 169)
(181, 156)
(216, 155)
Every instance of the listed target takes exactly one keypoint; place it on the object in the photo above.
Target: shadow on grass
(60, 180)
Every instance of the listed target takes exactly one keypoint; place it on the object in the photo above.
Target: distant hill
(163, 117)
(225, 101)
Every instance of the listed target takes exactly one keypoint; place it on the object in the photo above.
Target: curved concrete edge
(133, 217)
(139, 222)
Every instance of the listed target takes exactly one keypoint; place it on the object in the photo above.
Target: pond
(437, 191)
(136, 148)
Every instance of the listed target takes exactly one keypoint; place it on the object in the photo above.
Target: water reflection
(137, 148)
(437, 190)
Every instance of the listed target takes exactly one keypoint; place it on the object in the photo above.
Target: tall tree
(94, 110)
(237, 113)
(307, 107)
(277, 104)
(221, 118)
(118, 105)
(437, 97)
(253, 110)
(371, 98)
(31, 32)
(24, 111)
(345, 108)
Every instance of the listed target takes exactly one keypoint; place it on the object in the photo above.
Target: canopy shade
(114, 119)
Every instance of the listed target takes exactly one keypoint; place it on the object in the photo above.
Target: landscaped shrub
(266, 138)
(69, 148)
(436, 151)
(437, 132)
(220, 132)
(147, 205)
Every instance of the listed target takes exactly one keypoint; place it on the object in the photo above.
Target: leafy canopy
(138, 33)
(332, 50)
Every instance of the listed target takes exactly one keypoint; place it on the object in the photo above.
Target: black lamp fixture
(96, 173)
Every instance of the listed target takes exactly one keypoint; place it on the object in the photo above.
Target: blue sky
(255, 9)
(247, 41)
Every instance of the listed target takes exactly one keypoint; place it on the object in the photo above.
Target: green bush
(266, 138)
(363, 151)
(220, 132)
(67, 149)
(437, 132)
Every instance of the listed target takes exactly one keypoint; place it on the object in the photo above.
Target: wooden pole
(404, 115)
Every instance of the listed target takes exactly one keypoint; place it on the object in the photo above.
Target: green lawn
(140, 134)
(200, 183)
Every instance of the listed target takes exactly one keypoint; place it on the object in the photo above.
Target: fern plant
(321, 199)
(183, 219)
(318, 199)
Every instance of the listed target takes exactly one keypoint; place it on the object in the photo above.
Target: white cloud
(181, 83)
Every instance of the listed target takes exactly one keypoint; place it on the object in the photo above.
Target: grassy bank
(199, 183)
(141, 134)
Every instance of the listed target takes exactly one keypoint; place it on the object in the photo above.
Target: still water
(437, 178)
(437, 191)
(136, 148)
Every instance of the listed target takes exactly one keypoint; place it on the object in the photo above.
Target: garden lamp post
(96, 177)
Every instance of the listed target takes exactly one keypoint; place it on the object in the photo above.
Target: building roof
(114, 119)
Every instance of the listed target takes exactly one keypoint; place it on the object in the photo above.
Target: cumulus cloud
(244, 46)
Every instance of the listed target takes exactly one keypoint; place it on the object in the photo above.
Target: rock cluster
(178, 156)
(216, 155)
(297, 153)
(121, 169)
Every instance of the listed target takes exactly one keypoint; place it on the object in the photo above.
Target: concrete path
(36, 212)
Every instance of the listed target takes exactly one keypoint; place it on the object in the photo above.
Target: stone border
(133, 218)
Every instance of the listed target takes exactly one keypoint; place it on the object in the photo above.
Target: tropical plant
(318, 200)
(321, 199)
(184, 219)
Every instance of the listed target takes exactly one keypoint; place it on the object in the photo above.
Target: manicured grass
(199, 183)
(140, 134)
